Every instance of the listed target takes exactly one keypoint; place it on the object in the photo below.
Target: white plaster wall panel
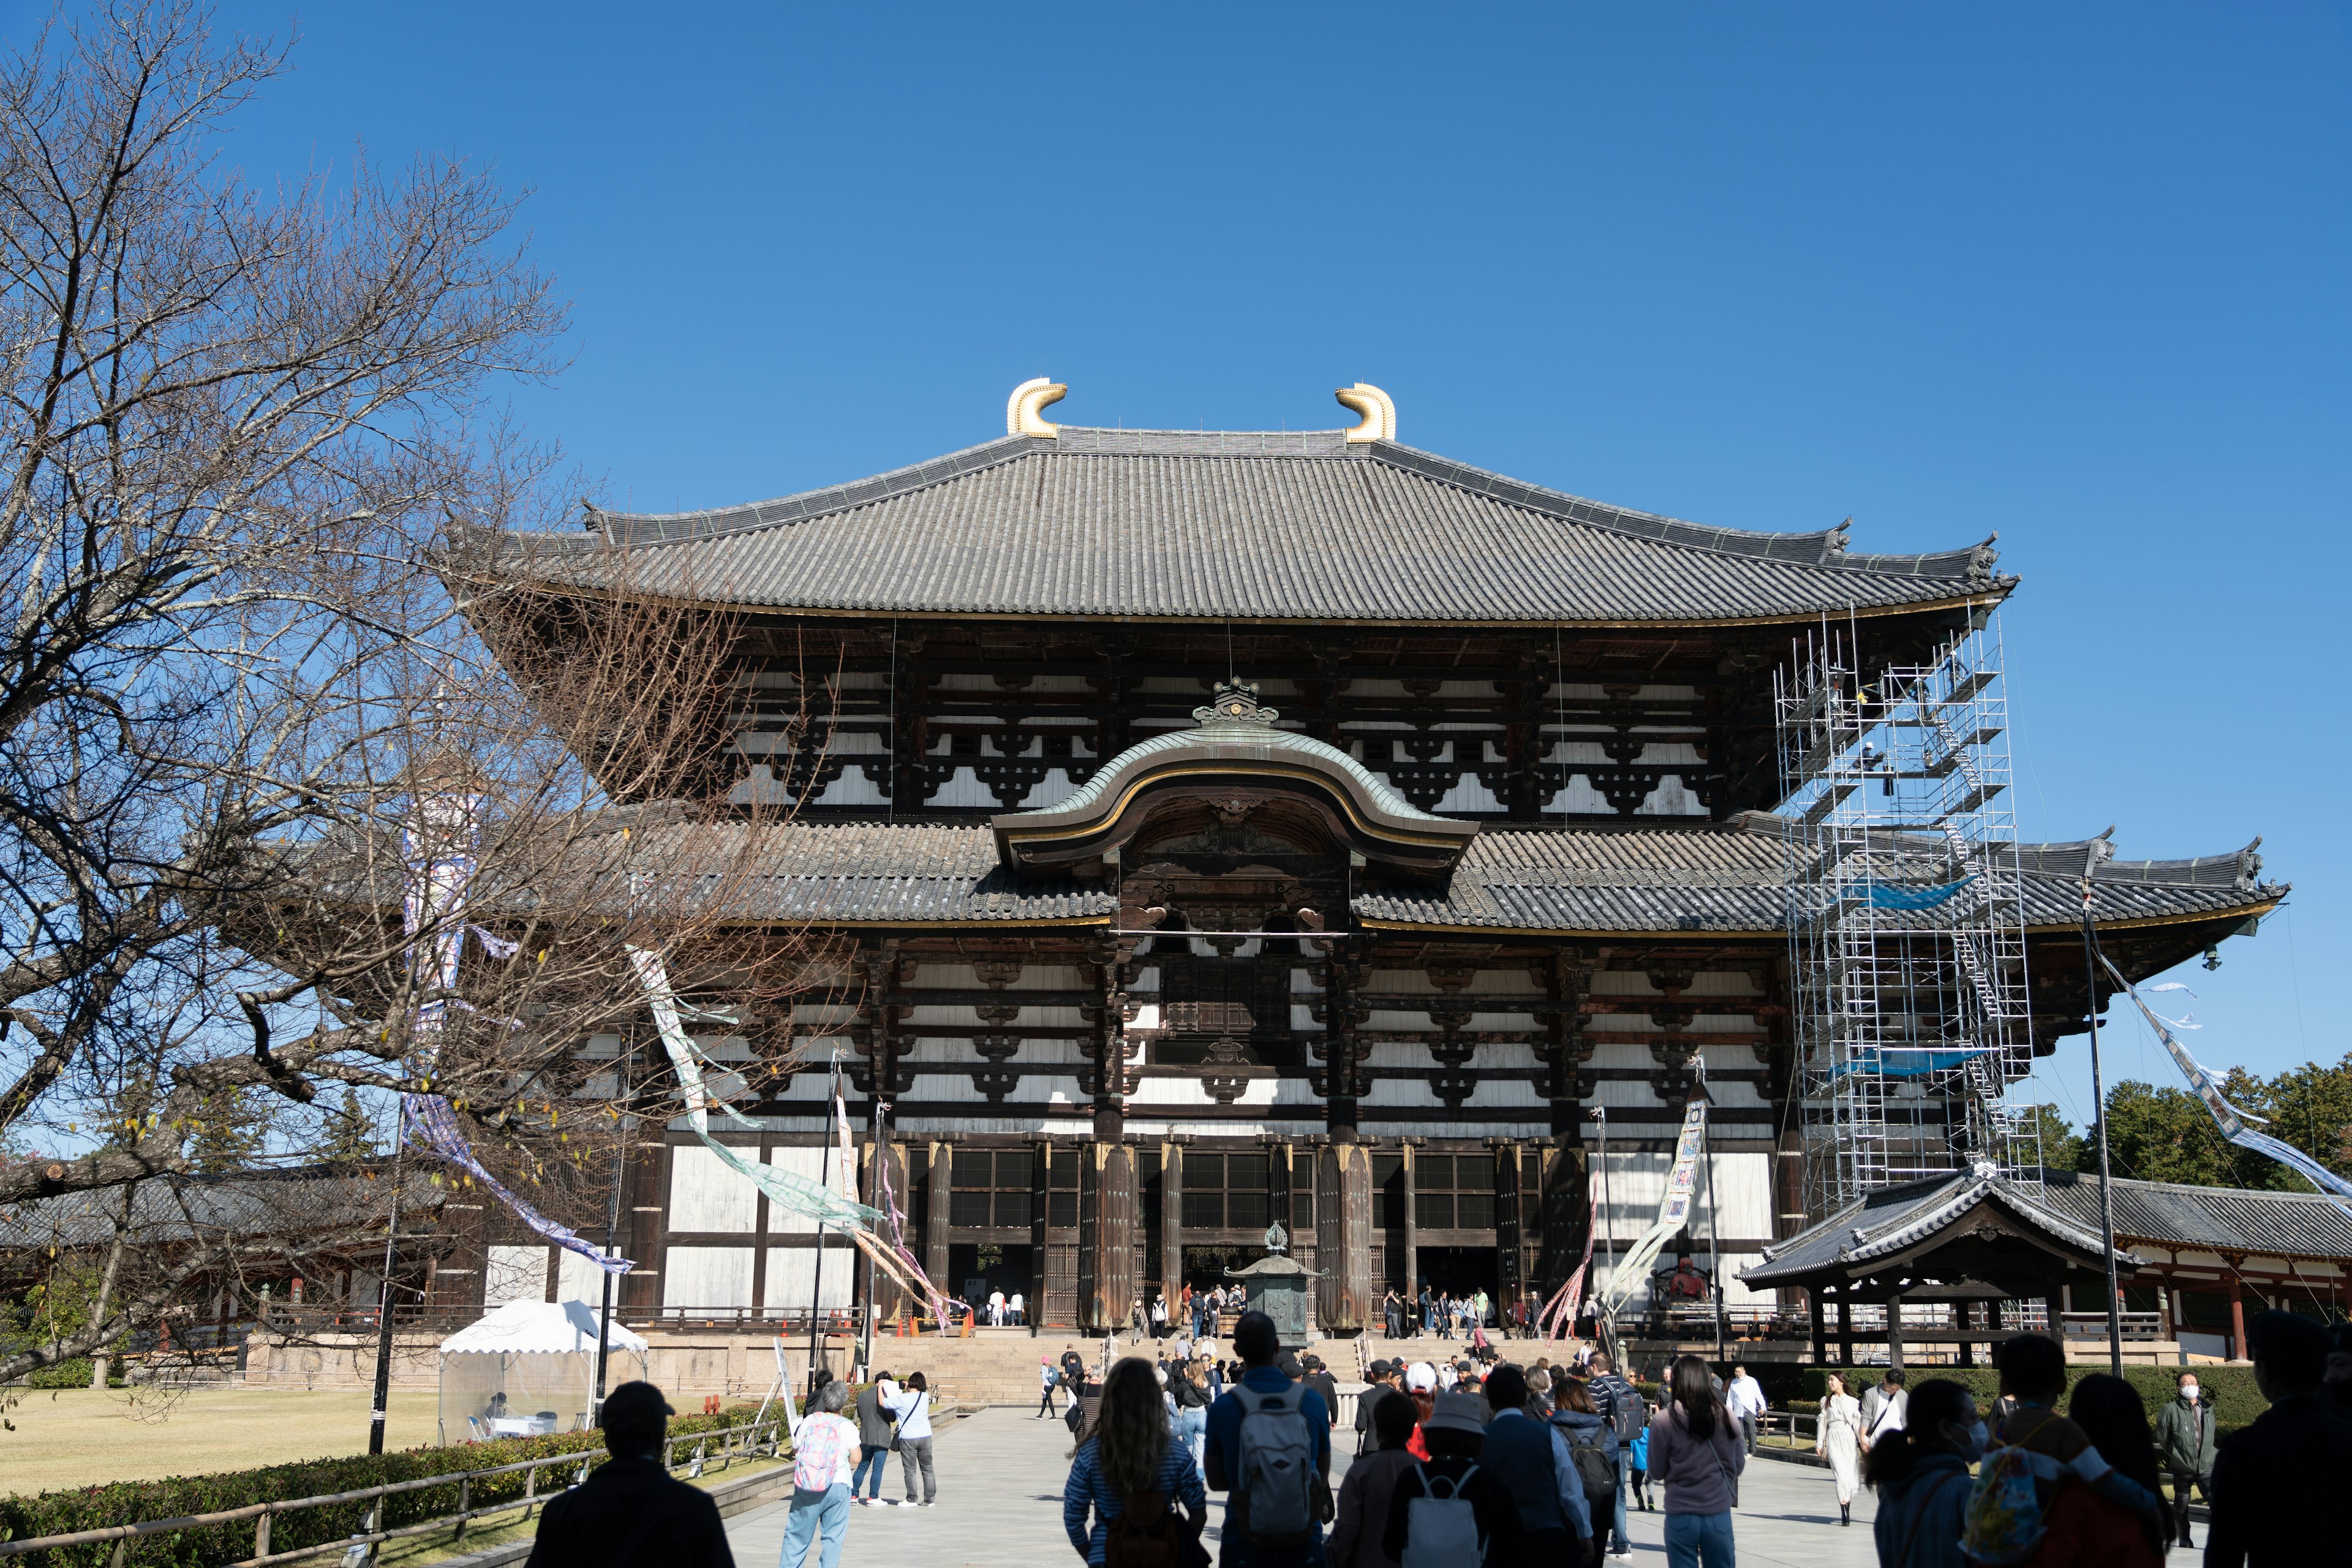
(1514, 1092)
(955, 1018)
(707, 1277)
(1469, 794)
(853, 788)
(934, 1051)
(1405, 1127)
(802, 1160)
(1720, 983)
(515, 1274)
(1302, 984)
(579, 1279)
(792, 1278)
(1052, 790)
(1491, 1058)
(956, 1089)
(1579, 798)
(1033, 977)
(1280, 1129)
(704, 1195)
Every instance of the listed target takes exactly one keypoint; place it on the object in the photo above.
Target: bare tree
(241, 713)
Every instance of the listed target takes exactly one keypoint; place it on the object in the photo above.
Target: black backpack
(1628, 1412)
(1593, 1466)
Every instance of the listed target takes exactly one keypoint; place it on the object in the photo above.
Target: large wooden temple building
(1235, 826)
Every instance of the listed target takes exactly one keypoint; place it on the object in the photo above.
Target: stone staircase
(999, 1366)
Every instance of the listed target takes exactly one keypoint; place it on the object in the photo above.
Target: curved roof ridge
(1826, 548)
(1823, 547)
(1224, 731)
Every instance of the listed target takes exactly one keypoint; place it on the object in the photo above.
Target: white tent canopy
(539, 1328)
(529, 1368)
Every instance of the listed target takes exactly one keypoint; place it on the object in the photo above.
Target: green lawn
(83, 1437)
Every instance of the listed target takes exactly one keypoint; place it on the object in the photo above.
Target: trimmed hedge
(127, 1502)
(2230, 1390)
(72, 1373)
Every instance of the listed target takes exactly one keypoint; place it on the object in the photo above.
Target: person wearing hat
(1456, 1442)
(630, 1509)
(1421, 1387)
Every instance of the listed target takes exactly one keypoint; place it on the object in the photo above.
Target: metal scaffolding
(1906, 940)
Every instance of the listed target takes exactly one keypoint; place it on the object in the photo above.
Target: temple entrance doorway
(1460, 1270)
(976, 1270)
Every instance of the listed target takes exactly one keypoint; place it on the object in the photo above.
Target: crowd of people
(1465, 1463)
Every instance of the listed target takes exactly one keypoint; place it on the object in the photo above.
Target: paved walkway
(999, 1505)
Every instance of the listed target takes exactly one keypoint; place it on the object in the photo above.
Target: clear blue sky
(2076, 273)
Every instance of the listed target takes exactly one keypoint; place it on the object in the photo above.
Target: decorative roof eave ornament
(1236, 746)
(1377, 409)
(1023, 411)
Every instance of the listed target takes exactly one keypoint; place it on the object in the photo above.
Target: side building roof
(1255, 525)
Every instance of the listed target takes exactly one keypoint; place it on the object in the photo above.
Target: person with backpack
(1449, 1510)
(1131, 1478)
(1622, 1405)
(824, 1446)
(2185, 1443)
(1920, 1472)
(1637, 1469)
(2279, 1484)
(1049, 1380)
(1268, 1448)
(1698, 1459)
(1592, 1449)
(1363, 1507)
(1533, 1462)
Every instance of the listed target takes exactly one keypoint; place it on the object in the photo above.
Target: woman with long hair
(911, 1409)
(1920, 1471)
(1695, 1457)
(1838, 1436)
(1127, 1459)
(2083, 1527)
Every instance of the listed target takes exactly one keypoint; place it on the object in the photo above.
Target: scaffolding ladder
(1907, 939)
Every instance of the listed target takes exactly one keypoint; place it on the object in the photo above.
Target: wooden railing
(762, 1440)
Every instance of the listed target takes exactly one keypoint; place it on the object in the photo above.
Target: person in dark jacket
(874, 1432)
(1533, 1463)
(1581, 1425)
(1457, 1447)
(2185, 1444)
(1318, 1378)
(630, 1512)
(1622, 1406)
(1920, 1472)
(2278, 1485)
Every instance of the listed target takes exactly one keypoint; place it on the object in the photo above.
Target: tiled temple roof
(1728, 876)
(1247, 525)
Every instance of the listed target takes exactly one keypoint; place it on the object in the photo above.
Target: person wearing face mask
(1920, 1472)
(2184, 1442)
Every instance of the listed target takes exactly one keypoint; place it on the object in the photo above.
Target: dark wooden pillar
(1845, 1331)
(1106, 1235)
(1813, 1310)
(1895, 1332)
(1412, 1232)
(1567, 1216)
(936, 1185)
(1343, 1237)
(890, 1297)
(1509, 1251)
(1172, 1226)
(1041, 1201)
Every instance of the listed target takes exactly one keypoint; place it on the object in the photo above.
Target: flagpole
(824, 1180)
(2099, 1103)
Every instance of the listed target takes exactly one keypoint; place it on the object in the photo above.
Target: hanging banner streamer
(441, 867)
(1673, 1208)
(1558, 1314)
(2228, 1117)
(787, 1189)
